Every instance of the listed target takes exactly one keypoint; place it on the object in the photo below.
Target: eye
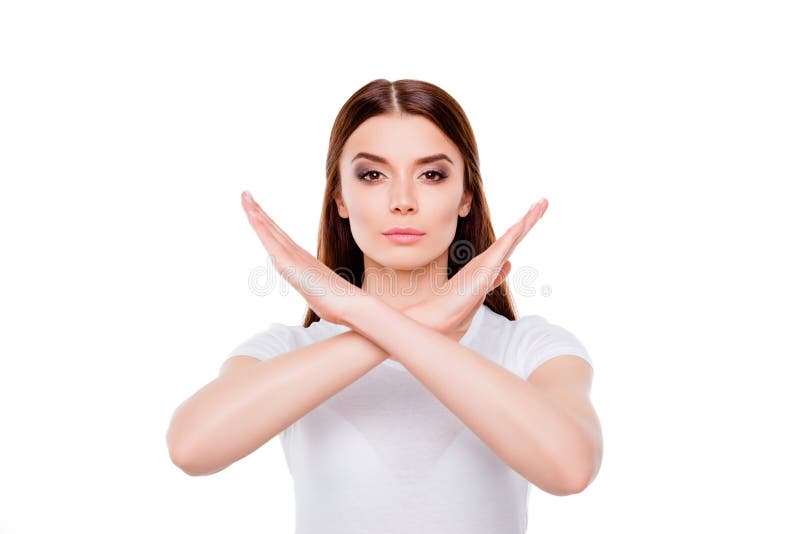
(372, 175)
(441, 176)
(363, 175)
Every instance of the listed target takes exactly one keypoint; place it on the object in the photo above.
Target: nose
(403, 198)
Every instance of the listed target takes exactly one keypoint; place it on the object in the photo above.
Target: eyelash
(362, 175)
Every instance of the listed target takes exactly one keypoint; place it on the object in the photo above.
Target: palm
(330, 296)
(327, 293)
(464, 293)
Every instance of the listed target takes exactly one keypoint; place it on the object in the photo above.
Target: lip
(403, 230)
(404, 238)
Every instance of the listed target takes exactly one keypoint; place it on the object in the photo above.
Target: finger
(504, 270)
(485, 268)
(275, 248)
(473, 311)
(253, 208)
(300, 256)
(522, 227)
(281, 250)
(485, 277)
(530, 218)
(301, 269)
(488, 283)
(536, 213)
(519, 228)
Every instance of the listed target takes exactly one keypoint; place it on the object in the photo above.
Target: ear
(340, 206)
(466, 204)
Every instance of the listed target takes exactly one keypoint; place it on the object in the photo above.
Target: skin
(544, 427)
(402, 193)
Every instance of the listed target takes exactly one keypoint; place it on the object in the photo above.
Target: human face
(401, 190)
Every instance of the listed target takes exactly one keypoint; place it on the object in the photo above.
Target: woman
(412, 399)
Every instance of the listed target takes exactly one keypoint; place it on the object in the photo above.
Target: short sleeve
(540, 340)
(273, 341)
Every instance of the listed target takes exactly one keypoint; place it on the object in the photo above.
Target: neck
(400, 288)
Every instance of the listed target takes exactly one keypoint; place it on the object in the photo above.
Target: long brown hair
(336, 247)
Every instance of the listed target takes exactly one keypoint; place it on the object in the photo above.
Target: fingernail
(247, 195)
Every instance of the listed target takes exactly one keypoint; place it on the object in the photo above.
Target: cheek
(442, 226)
(366, 218)
(445, 214)
(363, 211)
(357, 202)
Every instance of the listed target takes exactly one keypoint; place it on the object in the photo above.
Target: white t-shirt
(384, 455)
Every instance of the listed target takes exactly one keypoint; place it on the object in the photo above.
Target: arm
(228, 418)
(524, 425)
(528, 428)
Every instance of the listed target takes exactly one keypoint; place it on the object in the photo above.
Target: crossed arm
(544, 428)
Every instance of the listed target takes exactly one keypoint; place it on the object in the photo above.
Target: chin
(399, 264)
(404, 258)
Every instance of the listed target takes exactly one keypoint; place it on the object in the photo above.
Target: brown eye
(435, 173)
(373, 175)
(363, 175)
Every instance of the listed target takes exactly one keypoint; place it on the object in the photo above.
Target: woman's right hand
(329, 295)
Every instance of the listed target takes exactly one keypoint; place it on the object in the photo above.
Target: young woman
(411, 399)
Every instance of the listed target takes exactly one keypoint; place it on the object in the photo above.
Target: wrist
(426, 316)
(359, 304)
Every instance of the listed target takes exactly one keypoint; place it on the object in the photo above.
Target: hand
(432, 312)
(327, 293)
(451, 311)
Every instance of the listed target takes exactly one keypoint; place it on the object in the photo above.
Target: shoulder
(278, 338)
(532, 339)
(522, 328)
(535, 328)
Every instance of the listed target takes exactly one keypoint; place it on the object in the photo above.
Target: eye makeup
(367, 175)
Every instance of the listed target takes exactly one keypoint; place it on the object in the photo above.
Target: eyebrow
(419, 161)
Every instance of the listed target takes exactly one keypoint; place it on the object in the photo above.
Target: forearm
(520, 423)
(238, 412)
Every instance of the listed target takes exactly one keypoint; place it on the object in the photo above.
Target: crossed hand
(449, 311)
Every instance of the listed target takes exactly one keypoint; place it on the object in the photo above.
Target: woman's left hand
(451, 309)
(328, 294)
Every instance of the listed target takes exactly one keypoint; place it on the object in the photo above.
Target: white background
(664, 134)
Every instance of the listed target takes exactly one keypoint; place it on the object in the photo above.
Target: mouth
(403, 234)
(402, 238)
(403, 230)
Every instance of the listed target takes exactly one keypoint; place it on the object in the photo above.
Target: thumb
(501, 276)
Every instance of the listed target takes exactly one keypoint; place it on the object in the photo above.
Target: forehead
(400, 139)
